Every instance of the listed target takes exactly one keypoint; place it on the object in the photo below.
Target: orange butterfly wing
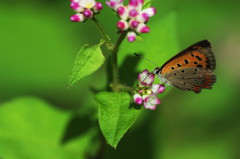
(197, 57)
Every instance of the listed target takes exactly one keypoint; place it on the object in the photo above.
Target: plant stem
(114, 49)
(110, 45)
(115, 83)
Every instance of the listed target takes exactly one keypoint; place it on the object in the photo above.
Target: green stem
(126, 88)
(115, 84)
(110, 45)
(114, 48)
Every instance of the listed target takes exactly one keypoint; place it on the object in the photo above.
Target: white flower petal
(151, 101)
(146, 78)
(158, 88)
(87, 3)
(149, 105)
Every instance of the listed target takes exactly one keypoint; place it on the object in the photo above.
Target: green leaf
(32, 128)
(88, 60)
(147, 3)
(115, 115)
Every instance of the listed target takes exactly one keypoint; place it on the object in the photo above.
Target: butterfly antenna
(145, 58)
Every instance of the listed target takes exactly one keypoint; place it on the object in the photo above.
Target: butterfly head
(157, 71)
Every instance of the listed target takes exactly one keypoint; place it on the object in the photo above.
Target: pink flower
(133, 15)
(146, 78)
(146, 92)
(151, 101)
(85, 9)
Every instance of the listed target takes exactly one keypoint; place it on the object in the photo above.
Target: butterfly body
(192, 69)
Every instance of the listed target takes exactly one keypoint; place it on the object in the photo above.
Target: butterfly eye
(156, 71)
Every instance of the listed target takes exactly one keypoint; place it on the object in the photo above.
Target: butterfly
(192, 69)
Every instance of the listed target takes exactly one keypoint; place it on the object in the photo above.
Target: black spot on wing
(186, 61)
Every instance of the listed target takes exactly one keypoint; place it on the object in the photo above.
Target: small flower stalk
(132, 17)
(146, 92)
(85, 9)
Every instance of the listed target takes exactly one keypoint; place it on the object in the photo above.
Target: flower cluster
(85, 9)
(133, 18)
(146, 92)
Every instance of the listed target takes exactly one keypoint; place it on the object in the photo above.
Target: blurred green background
(40, 118)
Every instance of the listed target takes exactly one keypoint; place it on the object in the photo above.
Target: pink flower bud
(114, 4)
(150, 11)
(137, 99)
(88, 13)
(134, 24)
(74, 5)
(122, 25)
(137, 4)
(98, 7)
(111, 4)
(161, 89)
(144, 17)
(142, 28)
(131, 36)
(147, 13)
(121, 10)
(145, 29)
(133, 3)
(77, 18)
(133, 13)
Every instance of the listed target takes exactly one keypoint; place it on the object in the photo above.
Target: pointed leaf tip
(88, 60)
(115, 115)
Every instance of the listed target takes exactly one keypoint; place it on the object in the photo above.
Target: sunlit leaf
(115, 115)
(88, 60)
